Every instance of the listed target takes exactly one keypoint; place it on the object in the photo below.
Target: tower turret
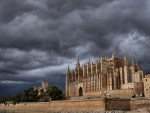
(77, 64)
(133, 63)
(101, 57)
(113, 55)
(89, 61)
(136, 63)
(125, 57)
(125, 60)
(105, 57)
(68, 70)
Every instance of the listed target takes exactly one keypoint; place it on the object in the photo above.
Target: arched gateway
(80, 91)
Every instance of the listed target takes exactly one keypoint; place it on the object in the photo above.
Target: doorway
(80, 91)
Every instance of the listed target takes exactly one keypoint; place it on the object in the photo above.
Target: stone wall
(93, 105)
(112, 93)
(26, 106)
(138, 87)
(139, 103)
(117, 104)
(127, 104)
(83, 105)
(120, 91)
(93, 93)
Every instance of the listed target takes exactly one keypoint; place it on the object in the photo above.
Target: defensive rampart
(139, 103)
(82, 105)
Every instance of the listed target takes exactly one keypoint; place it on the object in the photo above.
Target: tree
(31, 95)
(54, 92)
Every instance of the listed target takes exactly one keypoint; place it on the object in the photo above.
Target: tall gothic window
(130, 75)
(112, 84)
(140, 77)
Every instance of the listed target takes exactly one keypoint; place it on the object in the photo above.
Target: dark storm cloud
(38, 39)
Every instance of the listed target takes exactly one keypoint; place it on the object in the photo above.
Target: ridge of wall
(82, 105)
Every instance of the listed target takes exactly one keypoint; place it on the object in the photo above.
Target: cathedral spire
(125, 60)
(125, 57)
(68, 71)
(101, 57)
(89, 61)
(132, 62)
(107, 57)
(136, 63)
(78, 63)
(113, 55)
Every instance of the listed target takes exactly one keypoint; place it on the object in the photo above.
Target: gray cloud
(38, 39)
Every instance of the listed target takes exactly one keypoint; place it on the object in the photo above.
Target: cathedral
(105, 74)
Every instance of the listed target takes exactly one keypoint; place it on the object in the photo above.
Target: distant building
(110, 75)
(146, 82)
(44, 85)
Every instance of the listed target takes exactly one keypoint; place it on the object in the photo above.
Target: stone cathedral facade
(106, 74)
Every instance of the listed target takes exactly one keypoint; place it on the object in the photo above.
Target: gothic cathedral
(106, 74)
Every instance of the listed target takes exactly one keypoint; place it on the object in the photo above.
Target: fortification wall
(79, 105)
(120, 91)
(85, 105)
(127, 104)
(111, 92)
(26, 106)
(139, 103)
(93, 94)
(117, 104)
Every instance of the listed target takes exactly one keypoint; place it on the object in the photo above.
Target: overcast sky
(39, 38)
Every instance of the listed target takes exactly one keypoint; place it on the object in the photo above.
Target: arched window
(130, 76)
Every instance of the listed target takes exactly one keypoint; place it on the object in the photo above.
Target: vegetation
(54, 92)
(31, 95)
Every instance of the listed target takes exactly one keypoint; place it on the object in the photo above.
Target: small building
(44, 85)
(146, 82)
